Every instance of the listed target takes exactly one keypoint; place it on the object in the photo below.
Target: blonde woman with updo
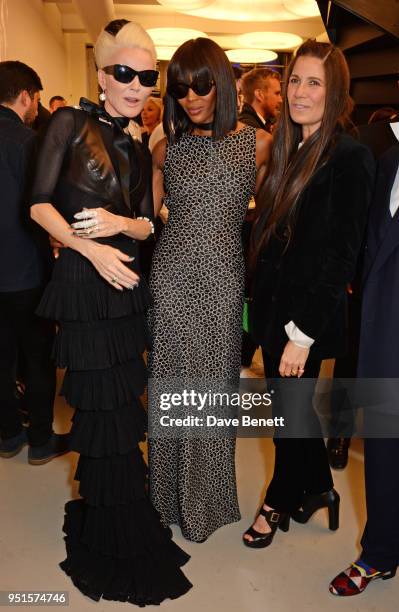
(151, 116)
(93, 194)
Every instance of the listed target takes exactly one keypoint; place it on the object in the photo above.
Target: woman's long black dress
(116, 546)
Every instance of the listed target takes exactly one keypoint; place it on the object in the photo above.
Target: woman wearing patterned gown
(205, 172)
(116, 546)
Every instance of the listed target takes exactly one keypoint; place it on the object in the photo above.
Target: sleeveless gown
(197, 282)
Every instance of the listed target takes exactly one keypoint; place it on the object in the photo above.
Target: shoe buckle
(274, 517)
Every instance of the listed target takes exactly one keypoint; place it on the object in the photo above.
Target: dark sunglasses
(125, 74)
(200, 85)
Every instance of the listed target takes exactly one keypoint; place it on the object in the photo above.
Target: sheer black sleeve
(51, 156)
(145, 205)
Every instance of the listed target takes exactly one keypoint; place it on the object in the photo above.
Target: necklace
(208, 127)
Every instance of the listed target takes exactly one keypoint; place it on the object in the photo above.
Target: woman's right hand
(108, 262)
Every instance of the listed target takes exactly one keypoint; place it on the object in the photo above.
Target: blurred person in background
(25, 339)
(56, 102)
(261, 90)
(151, 116)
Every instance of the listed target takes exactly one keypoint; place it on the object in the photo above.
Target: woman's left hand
(97, 223)
(293, 360)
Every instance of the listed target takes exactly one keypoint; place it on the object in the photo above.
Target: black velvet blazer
(249, 116)
(306, 282)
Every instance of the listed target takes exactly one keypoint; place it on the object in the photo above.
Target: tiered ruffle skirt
(116, 546)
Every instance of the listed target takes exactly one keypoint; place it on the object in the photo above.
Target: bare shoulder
(263, 139)
(240, 126)
(159, 154)
(263, 146)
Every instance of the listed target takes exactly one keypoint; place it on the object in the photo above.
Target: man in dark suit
(261, 89)
(262, 98)
(24, 263)
(379, 137)
(379, 359)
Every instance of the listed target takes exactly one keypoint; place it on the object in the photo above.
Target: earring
(102, 96)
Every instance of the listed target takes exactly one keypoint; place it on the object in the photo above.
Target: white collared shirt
(394, 201)
(261, 118)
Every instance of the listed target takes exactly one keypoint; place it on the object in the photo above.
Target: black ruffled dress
(116, 546)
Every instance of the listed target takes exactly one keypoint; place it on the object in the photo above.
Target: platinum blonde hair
(130, 35)
(158, 103)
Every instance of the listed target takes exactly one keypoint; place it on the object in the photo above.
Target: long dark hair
(291, 168)
(204, 58)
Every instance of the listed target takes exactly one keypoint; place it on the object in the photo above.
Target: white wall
(33, 35)
(77, 77)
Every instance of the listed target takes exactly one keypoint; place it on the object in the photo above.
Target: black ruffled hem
(112, 432)
(78, 293)
(112, 481)
(90, 302)
(142, 568)
(100, 345)
(98, 390)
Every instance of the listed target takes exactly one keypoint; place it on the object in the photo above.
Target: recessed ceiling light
(165, 53)
(186, 5)
(239, 10)
(173, 37)
(269, 40)
(251, 56)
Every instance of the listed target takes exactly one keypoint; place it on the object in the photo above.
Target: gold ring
(113, 279)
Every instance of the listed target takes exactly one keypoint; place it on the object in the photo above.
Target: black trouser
(301, 464)
(380, 539)
(342, 408)
(28, 338)
(248, 349)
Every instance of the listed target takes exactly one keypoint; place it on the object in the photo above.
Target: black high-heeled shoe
(275, 520)
(316, 501)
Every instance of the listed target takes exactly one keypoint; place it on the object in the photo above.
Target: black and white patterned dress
(197, 282)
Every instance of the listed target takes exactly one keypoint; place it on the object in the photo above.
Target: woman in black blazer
(312, 214)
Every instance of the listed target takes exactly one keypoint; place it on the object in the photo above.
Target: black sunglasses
(200, 85)
(125, 74)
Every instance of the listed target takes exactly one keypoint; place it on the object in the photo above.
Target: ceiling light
(173, 37)
(271, 40)
(241, 10)
(165, 53)
(185, 5)
(303, 8)
(251, 56)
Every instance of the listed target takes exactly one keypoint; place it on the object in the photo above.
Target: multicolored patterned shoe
(355, 579)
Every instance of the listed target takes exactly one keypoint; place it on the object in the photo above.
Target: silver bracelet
(149, 221)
